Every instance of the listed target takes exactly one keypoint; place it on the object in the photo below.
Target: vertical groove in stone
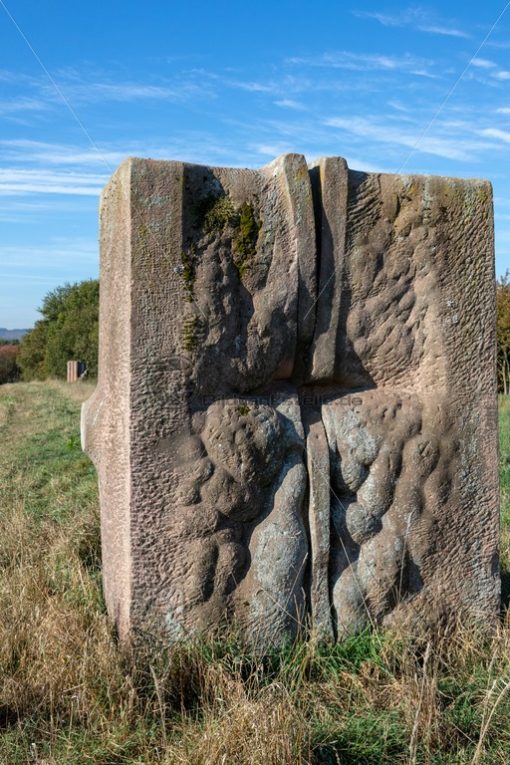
(329, 178)
(317, 455)
(297, 179)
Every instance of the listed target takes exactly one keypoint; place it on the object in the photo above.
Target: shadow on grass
(505, 590)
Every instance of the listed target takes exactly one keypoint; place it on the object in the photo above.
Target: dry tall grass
(69, 695)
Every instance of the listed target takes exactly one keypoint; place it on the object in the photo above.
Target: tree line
(503, 333)
(68, 330)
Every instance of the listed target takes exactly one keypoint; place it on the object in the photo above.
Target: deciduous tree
(68, 330)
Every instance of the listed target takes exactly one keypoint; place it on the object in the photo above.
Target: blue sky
(231, 83)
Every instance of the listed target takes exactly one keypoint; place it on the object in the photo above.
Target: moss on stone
(213, 214)
(244, 246)
(191, 330)
(216, 214)
(484, 194)
(243, 410)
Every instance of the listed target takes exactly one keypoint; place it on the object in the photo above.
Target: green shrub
(68, 330)
(9, 370)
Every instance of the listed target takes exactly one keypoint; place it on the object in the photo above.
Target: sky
(391, 87)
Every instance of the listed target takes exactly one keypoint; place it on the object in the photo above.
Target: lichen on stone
(143, 237)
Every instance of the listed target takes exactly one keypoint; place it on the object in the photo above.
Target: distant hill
(12, 334)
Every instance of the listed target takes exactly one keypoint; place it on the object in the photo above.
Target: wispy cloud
(254, 87)
(289, 103)
(482, 63)
(60, 248)
(17, 78)
(92, 92)
(271, 149)
(24, 209)
(21, 181)
(38, 167)
(23, 104)
(418, 18)
(281, 87)
(35, 269)
(28, 151)
(366, 62)
(452, 147)
(499, 44)
(501, 135)
(363, 166)
(85, 86)
(400, 107)
(439, 30)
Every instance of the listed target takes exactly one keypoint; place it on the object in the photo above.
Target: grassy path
(69, 696)
(40, 456)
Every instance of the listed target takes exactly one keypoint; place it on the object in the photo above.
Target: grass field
(69, 695)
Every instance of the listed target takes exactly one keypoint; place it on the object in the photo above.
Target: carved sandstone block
(294, 423)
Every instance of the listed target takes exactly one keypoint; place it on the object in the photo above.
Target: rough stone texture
(295, 419)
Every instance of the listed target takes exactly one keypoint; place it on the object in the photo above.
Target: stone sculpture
(294, 422)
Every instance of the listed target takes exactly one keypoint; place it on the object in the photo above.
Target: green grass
(69, 695)
(504, 478)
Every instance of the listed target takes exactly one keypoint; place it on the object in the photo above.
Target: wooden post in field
(72, 371)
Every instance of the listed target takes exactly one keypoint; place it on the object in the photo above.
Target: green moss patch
(191, 332)
(216, 215)
(244, 246)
